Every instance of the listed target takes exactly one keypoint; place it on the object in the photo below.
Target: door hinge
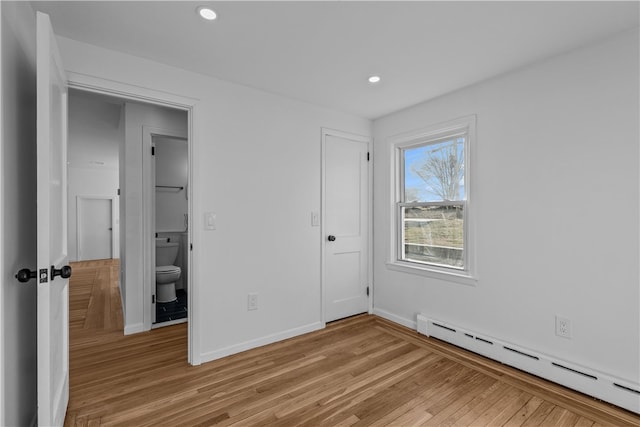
(368, 156)
(118, 191)
(153, 299)
(191, 246)
(153, 150)
(367, 291)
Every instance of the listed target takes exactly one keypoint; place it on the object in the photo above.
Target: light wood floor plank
(361, 371)
(524, 413)
(456, 401)
(539, 415)
(583, 422)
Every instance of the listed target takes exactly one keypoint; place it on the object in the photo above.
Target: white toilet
(166, 272)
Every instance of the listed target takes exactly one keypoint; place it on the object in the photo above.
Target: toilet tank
(166, 252)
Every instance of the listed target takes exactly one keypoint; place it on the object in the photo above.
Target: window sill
(452, 276)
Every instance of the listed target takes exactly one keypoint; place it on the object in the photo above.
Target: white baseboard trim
(395, 318)
(133, 329)
(618, 391)
(259, 342)
(169, 323)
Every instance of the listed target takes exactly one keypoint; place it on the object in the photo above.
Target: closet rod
(170, 186)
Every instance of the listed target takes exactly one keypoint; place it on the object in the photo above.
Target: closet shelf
(170, 186)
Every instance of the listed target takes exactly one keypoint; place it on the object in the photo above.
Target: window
(431, 218)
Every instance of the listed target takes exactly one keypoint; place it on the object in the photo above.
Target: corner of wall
(411, 324)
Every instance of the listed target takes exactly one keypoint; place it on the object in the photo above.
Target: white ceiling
(322, 52)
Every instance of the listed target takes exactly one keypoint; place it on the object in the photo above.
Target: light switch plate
(209, 221)
(315, 219)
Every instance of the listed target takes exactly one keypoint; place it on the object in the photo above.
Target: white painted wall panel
(557, 209)
(257, 166)
(136, 117)
(95, 134)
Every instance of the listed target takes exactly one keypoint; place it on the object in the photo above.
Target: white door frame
(141, 94)
(360, 138)
(114, 215)
(2, 382)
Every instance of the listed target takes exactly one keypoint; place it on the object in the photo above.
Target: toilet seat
(167, 269)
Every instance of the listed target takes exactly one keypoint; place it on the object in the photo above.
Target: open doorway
(111, 167)
(170, 218)
(94, 138)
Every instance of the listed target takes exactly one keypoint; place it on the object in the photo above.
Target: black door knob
(25, 275)
(331, 238)
(64, 272)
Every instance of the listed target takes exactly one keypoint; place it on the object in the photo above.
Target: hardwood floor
(359, 371)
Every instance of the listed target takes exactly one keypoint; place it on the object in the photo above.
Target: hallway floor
(94, 299)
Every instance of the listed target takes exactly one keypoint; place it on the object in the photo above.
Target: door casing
(137, 93)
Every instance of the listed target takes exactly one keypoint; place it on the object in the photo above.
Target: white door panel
(95, 228)
(346, 226)
(53, 292)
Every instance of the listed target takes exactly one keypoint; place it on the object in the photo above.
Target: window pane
(433, 235)
(435, 172)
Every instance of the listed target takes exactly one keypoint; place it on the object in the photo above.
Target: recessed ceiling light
(207, 13)
(374, 79)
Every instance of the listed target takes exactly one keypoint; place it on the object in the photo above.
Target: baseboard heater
(593, 383)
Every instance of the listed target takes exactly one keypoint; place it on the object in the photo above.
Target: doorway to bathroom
(112, 190)
(170, 218)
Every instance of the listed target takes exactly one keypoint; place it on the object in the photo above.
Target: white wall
(96, 131)
(18, 398)
(257, 166)
(137, 117)
(557, 209)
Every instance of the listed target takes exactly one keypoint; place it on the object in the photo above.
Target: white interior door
(53, 292)
(345, 225)
(95, 228)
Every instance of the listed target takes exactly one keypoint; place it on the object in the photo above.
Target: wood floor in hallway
(362, 371)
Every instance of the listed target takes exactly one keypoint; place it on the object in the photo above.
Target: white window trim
(468, 276)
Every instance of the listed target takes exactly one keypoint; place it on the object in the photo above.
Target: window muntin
(432, 227)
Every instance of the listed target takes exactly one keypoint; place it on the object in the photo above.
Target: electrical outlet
(563, 327)
(252, 301)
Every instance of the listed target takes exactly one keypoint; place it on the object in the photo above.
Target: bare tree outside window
(442, 169)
